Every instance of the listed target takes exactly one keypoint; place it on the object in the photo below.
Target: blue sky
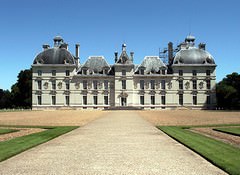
(102, 26)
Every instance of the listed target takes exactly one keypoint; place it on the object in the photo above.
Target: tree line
(20, 96)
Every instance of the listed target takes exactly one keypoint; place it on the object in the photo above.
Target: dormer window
(39, 73)
(84, 72)
(194, 73)
(53, 72)
(141, 71)
(163, 71)
(123, 72)
(106, 71)
(67, 73)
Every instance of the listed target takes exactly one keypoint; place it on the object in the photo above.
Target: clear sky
(101, 26)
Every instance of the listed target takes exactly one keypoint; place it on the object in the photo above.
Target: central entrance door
(124, 101)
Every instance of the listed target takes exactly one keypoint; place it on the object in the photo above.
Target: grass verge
(6, 131)
(220, 154)
(233, 131)
(15, 146)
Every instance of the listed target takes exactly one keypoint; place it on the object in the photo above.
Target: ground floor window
(54, 100)
(142, 100)
(85, 100)
(95, 99)
(208, 100)
(181, 99)
(39, 99)
(152, 100)
(106, 100)
(67, 100)
(194, 99)
(163, 99)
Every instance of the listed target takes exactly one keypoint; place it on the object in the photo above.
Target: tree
(228, 92)
(5, 99)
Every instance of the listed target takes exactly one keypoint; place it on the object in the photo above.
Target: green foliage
(15, 146)
(228, 92)
(6, 131)
(231, 130)
(220, 154)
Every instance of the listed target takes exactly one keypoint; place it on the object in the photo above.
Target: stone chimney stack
(202, 46)
(170, 52)
(77, 50)
(131, 55)
(116, 56)
(45, 46)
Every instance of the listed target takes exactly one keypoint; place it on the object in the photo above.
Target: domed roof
(193, 55)
(54, 55)
(96, 64)
(152, 64)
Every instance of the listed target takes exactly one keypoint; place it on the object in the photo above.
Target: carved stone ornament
(187, 85)
(60, 85)
(77, 85)
(169, 84)
(201, 85)
(45, 85)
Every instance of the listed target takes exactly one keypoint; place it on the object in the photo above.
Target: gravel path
(119, 143)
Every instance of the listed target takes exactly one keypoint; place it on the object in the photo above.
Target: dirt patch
(227, 138)
(20, 133)
(190, 117)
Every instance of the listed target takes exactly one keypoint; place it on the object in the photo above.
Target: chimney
(45, 46)
(170, 52)
(116, 56)
(131, 54)
(77, 50)
(202, 46)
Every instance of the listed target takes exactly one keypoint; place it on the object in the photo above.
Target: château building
(187, 80)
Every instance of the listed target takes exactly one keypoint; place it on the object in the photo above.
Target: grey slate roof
(193, 55)
(96, 63)
(152, 64)
(54, 55)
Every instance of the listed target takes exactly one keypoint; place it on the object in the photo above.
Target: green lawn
(6, 131)
(231, 130)
(15, 146)
(220, 154)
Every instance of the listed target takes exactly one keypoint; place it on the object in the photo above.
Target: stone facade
(187, 81)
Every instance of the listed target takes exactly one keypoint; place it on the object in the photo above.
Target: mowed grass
(6, 131)
(233, 130)
(220, 154)
(15, 146)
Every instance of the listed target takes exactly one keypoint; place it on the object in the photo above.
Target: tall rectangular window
(106, 100)
(180, 84)
(95, 82)
(194, 84)
(95, 100)
(194, 99)
(84, 72)
(208, 84)
(181, 99)
(84, 100)
(67, 73)
(67, 100)
(39, 100)
(180, 72)
(54, 85)
(123, 84)
(163, 99)
(152, 100)
(39, 73)
(67, 85)
(53, 100)
(84, 84)
(123, 72)
(163, 84)
(142, 84)
(152, 82)
(53, 72)
(194, 73)
(163, 71)
(105, 84)
(141, 100)
(39, 82)
(208, 72)
(141, 71)
(208, 100)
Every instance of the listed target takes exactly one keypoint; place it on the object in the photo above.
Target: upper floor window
(67, 73)
(194, 84)
(180, 72)
(208, 72)
(105, 84)
(54, 85)
(67, 85)
(123, 72)
(53, 72)
(208, 84)
(180, 84)
(141, 84)
(84, 84)
(123, 84)
(194, 73)
(152, 82)
(39, 73)
(95, 82)
(163, 84)
(39, 82)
